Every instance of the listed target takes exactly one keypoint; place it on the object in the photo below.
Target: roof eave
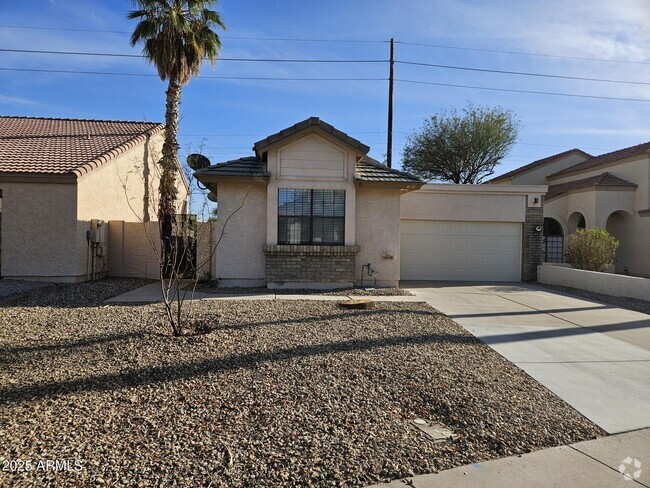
(313, 124)
(569, 172)
(592, 188)
(538, 164)
(207, 178)
(62, 178)
(390, 185)
(121, 149)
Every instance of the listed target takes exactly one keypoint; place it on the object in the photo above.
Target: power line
(522, 73)
(264, 135)
(345, 61)
(243, 38)
(373, 41)
(531, 92)
(522, 53)
(125, 55)
(150, 75)
(262, 78)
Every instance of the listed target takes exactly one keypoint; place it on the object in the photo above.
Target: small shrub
(591, 250)
(208, 280)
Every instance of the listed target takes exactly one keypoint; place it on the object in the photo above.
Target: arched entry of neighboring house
(576, 221)
(619, 224)
(553, 241)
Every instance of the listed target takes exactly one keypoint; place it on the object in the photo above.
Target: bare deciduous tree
(178, 282)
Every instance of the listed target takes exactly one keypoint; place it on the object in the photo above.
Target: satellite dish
(197, 161)
(212, 197)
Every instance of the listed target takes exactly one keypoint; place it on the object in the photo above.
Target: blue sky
(232, 114)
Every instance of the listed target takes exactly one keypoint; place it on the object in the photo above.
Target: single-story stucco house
(610, 191)
(64, 183)
(311, 209)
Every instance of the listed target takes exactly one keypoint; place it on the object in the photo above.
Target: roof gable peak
(310, 124)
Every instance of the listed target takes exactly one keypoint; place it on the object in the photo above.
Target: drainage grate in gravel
(438, 432)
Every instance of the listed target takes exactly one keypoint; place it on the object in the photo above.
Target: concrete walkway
(589, 464)
(594, 356)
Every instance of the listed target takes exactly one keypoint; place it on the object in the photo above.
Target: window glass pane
(329, 203)
(328, 230)
(294, 202)
(311, 216)
(293, 230)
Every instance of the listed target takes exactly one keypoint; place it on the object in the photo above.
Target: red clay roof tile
(31, 145)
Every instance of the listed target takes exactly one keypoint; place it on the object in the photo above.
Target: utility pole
(389, 144)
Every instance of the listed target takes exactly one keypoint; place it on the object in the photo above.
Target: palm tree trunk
(169, 167)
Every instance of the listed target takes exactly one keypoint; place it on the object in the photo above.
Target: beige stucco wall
(44, 224)
(314, 162)
(537, 176)
(239, 255)
(477, 203)
(124, 189)
(377, 234)
(612, 209)
(606, 283)
(39, 228)
(635, 170)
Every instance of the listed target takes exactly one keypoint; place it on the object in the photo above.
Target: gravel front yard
(9, 288)
(281, 393)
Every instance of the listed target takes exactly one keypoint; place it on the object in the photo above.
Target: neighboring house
(311, 209)
(610, 191)
(60, 179)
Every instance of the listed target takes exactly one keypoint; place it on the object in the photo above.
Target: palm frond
(177, 35)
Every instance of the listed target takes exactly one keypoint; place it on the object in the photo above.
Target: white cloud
(4, 99)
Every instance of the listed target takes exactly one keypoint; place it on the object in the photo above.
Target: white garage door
(460, 251)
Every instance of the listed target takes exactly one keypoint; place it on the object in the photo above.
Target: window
(553, 241)
(311, 216)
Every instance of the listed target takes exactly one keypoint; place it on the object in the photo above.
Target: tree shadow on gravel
(66, 346)
(183, 371)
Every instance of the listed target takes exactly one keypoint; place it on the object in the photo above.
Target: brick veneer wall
(324, 264)
(533, 243)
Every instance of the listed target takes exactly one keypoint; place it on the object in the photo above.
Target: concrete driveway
(595, 356)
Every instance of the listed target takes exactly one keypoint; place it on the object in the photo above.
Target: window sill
(309, 249)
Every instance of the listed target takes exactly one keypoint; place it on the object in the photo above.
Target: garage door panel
(460, 251)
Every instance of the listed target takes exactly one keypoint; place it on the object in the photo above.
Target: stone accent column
(533, 239)
(310, 264)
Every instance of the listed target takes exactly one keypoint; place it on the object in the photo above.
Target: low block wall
(310, 265)
(605, 283)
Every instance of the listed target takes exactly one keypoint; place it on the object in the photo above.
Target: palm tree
(177, 35)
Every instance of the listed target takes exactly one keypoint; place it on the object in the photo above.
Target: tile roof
(46, 146)
(260, 146)
(605, 158)
(366, 170)
(250, 166)
(369, 169)
(538, 163)
(602, 180)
